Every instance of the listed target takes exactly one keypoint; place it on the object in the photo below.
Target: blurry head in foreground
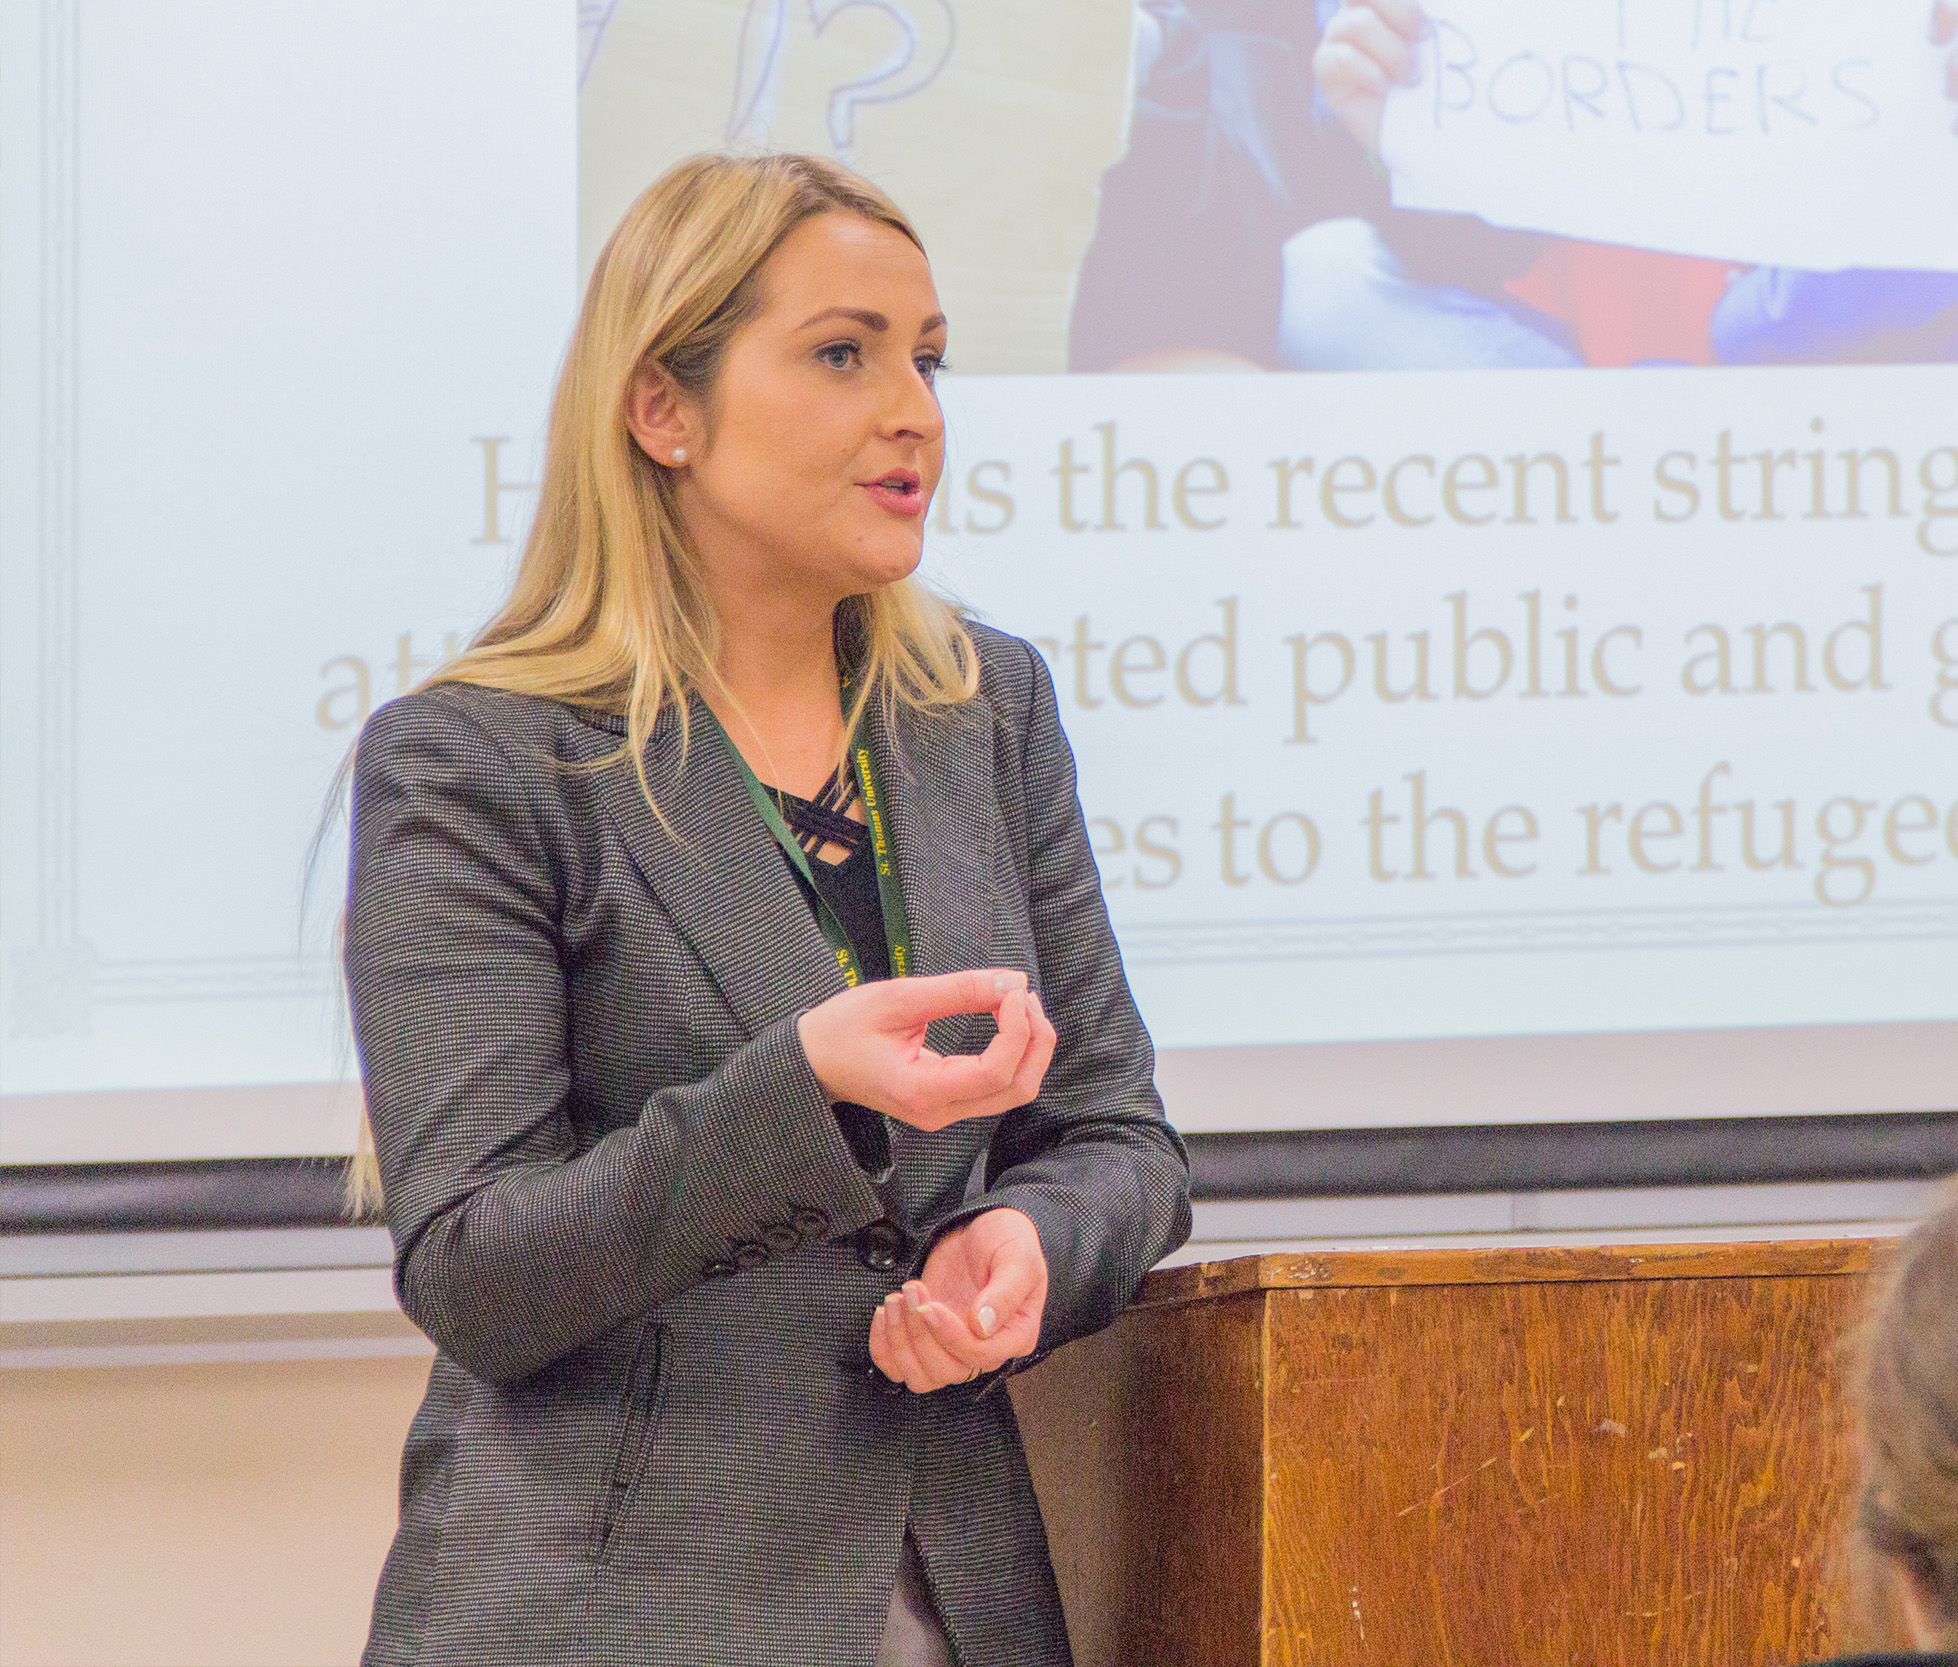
(1908, 1402)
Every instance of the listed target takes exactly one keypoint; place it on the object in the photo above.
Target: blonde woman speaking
(751, 1069)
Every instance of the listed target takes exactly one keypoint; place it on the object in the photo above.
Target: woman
(1907, 1405)
(724, 1263)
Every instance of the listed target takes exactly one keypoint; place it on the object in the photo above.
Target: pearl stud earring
(679, 454)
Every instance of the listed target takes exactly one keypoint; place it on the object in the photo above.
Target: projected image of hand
(1367, 47)
(977, 1306)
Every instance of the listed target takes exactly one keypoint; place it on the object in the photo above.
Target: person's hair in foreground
(1906, 1395)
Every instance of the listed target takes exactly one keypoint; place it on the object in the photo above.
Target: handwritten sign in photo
(1805, 133)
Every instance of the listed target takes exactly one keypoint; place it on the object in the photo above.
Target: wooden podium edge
(1504, 1265)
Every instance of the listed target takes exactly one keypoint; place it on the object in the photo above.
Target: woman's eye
(839, 355)
(929, 365)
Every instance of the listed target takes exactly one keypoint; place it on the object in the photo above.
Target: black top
(849, 887)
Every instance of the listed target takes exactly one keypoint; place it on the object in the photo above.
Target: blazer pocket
(638, 1417)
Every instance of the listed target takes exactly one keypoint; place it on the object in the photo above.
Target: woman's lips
(900, 492)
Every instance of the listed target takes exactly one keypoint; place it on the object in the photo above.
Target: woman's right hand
(867, 1046)
(1367, 48)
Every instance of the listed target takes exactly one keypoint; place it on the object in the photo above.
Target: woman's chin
(873, 570)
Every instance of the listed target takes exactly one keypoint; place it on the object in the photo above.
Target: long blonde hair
(608, 610)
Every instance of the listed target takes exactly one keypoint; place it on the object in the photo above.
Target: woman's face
(823, 445)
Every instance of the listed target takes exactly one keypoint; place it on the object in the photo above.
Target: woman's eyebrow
(870, 320)
(859, 315)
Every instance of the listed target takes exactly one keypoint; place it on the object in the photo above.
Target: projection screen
(1501, 580)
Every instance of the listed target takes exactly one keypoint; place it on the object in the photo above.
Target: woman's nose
(914, 408)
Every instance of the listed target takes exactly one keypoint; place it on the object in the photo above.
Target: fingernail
(1002, 982)
(913, 1298)
(987, 1321)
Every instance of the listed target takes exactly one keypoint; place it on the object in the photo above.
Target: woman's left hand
(977, 1306)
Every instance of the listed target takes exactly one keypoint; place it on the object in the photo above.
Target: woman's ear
(660, 417)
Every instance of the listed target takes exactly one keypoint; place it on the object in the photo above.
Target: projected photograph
(1368, 185)
(1192, 185)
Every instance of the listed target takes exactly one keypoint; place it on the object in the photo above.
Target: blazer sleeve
(1092, 1161)
(512, 1247)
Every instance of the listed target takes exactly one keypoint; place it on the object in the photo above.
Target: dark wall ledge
(1330, 1163)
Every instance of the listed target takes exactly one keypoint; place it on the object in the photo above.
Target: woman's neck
(778, 694)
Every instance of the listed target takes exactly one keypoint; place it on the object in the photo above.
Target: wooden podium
(1481, 1458)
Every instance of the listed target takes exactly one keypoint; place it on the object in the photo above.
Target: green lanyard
(897, 924)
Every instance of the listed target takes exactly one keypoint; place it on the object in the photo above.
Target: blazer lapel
(938, 772)
(720, 875)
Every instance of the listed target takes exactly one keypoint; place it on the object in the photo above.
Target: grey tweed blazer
(626, 1214)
